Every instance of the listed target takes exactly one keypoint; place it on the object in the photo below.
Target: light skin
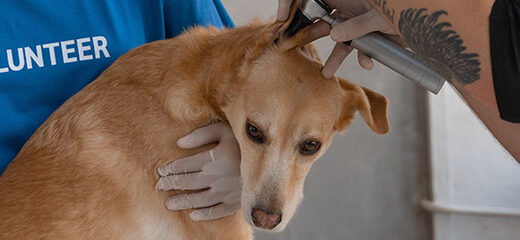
(468, 19)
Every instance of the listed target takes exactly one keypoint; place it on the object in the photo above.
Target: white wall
(470, 169)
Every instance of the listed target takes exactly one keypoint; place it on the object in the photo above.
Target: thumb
(202, 136)
(358, 26)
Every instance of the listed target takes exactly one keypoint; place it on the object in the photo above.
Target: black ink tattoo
(389, 12)
(377, 2)
(438, 46)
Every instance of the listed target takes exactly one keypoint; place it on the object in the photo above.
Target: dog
(89, 171)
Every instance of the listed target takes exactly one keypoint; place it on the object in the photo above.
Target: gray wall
(367, 186)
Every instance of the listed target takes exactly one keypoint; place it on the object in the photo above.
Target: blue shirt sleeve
(181, 14)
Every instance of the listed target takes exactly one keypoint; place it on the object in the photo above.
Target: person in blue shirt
(51, 49)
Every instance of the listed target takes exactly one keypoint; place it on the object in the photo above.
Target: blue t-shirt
(51, 49)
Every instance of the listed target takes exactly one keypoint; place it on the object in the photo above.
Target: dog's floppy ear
(371, 105)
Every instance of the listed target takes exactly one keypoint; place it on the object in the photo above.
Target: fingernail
(161, 186)
(337, 35)
(161, 172)
(325, 74)
(158, 186)
(333, 34)
(174, 204)
(364, 64)
(165, 185)
(367, 64)
(183, 141)
(196, 216)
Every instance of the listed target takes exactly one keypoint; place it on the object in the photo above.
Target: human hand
(217, 169)
(317, 30)
(360, 19)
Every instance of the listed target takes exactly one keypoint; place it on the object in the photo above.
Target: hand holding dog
(217, 169)
(360, 19)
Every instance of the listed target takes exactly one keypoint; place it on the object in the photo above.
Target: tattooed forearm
(437, 45)
(387, 11)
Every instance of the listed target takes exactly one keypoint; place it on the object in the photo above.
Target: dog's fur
(89, 171)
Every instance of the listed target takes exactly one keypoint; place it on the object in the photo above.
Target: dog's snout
(265, 219)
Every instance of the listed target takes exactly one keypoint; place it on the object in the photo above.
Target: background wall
(470, 170)
(367, 186)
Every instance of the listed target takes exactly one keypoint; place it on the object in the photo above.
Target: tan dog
(89, 172)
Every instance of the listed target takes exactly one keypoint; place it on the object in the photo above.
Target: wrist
(389, 13)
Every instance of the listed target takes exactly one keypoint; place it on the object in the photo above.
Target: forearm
(452, 36)
(455, 43)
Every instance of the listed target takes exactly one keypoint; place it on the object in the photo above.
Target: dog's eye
(254, 133)
(309, 147)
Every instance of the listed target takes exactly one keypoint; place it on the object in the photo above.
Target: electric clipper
(374, 45)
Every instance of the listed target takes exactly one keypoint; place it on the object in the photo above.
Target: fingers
(217, 169)
(191, 181)
(202, 136)
(359, 26)
(318, 30)
(284, 6)
(205, 135)
(190, 164)
(228, 184)
(227, 159)
(365, 61)
(339, 53)
(194, 200)
(218, 211)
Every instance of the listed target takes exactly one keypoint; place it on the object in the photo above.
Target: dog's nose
(265, 219)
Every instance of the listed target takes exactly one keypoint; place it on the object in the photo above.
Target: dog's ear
(283, 25)
(371, 105)
(274, 34)
(278, 29)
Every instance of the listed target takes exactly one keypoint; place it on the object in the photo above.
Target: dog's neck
(226, 64)
(213, 73)
(214, 65)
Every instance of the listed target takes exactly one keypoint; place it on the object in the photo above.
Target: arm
(467, 21)
(471, 74)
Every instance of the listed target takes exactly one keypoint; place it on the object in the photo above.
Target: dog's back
(89, 170)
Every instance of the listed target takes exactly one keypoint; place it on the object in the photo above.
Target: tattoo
(438, 46)
(376, 2)
(388, 12)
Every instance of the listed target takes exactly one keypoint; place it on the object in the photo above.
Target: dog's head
(284, 117)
